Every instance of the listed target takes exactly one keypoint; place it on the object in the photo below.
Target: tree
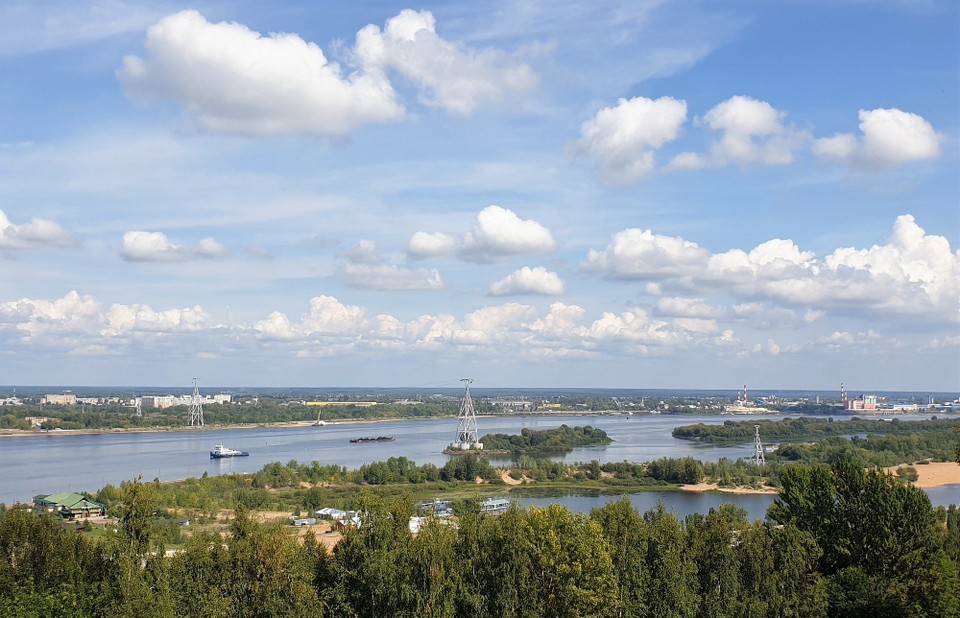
(877, 535)
(627, 536)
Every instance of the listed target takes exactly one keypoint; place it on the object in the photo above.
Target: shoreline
(27, 433)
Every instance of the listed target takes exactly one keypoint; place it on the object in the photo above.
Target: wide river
(62, 461)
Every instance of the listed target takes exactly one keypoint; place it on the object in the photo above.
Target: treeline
(555, 441)
(738, 432)
(840, 541)
(263, 411)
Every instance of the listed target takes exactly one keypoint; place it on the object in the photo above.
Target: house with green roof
(68, 505)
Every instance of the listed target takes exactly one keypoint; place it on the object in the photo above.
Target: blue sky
(636, 194)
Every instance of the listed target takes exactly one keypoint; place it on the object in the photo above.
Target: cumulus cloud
(37, 233)
(641, 254)
(77, 323)
(675, 306)
(914, 273)
(753, 132)
(635, 326)
(528, 280)
(890, 137)
(123, 319)
(234, 80)
(449, 75)
(424, 245)
(326, 317)
(500, 233)
(623, 139)
(139, 246)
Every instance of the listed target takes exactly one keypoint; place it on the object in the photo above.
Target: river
(62, 461)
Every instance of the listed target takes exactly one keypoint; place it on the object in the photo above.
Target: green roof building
(68, 505)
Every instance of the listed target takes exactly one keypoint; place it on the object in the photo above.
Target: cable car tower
(467, 438)
(757, 448)
(195, 417)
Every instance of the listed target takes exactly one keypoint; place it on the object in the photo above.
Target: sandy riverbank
(728, 490)
(934, 474)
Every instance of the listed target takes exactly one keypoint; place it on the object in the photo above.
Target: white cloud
(37, 317)
(36, 233)
(76, 323)
(448, 75)
(139, 246)
(914, 273)
(233, 80)
(753, 132)
(500, 233)
(364, 252)
(423, 245)
(675, 306)
(368, 269)
(326, 319)
(529, 281)
(391, 277)
(641, 254)
(890, 137)
(123, 319)
(623, 139)
(636, 327)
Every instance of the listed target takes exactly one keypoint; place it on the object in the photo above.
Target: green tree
(627, 535)
(876, 533)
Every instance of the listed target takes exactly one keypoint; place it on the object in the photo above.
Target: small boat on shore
(221, 452)
(377, 439)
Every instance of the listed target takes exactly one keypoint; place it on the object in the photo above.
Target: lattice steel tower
(757, 448)
(196, 407)
(467, 437)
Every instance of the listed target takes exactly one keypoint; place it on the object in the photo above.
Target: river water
(63, 461)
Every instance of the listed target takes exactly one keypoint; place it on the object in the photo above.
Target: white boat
(221, 452)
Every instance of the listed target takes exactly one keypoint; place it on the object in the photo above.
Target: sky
(638, 194)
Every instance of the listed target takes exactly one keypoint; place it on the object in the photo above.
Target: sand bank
(728, 490)
(934, 474)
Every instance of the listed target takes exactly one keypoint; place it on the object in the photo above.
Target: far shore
(20, 433)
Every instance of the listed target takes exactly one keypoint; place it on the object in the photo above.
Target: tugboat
(221, 452)
(377, 439)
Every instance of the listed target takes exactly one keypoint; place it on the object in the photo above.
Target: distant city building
(10, 401)
(63, 399)
(36, 421)
(866, 402)
(516, 406)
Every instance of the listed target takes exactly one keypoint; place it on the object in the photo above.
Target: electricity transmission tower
(467, 437)
(195, 417)
(757, 447)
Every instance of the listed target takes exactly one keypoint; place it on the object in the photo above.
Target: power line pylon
(195, 416)
(467, 436)
(758, 448)
(138, 405)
